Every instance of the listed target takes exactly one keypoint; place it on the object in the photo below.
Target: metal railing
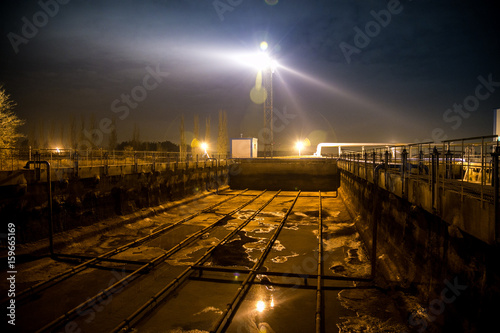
(15, 159)
(464, 165)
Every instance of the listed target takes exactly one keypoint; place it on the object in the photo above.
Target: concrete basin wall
(422, 252)
(285, 174)
(93, 194)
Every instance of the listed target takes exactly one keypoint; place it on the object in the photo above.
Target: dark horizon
(376, 71)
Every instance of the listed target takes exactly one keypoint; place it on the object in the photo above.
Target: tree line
(50, 135)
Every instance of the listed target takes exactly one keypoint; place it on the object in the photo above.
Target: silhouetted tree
(182, 147)
(222, 139)
(72, 133)
(136, 137)
(9, 122)
(113, 136)
(207, 129)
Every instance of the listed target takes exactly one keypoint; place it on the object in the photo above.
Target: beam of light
(290, 94)
(329, 87)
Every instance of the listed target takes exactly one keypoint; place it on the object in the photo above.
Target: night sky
(349, 70)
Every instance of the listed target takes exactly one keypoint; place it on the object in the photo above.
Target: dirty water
(266, 308)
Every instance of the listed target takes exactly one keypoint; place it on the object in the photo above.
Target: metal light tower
(267, 66)
(268, 111)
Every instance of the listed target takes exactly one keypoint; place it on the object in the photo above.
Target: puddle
(282, 259)
(235, 252)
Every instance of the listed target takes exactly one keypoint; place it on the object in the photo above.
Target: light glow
(261, 306)
(299, 145)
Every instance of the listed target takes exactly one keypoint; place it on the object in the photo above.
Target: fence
(465, 165)
(15, 159)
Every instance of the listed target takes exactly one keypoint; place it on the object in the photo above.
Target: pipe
(154, 301)
(74, 270)
(145, 268)
(359, 144)
(226, 317)
(49, 191)
(319, 291)
(216, 173)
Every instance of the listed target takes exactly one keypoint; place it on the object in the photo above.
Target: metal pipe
(225, 319)
(49, 192)
(145, 268)
(74, 270)
(496, 185)
(155, 300)
(403, 177)
(216, 173)
(319, 284)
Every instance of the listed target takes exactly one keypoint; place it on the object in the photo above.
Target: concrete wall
(98, 193)
(466, 212)
(420, 252)
(286, 174)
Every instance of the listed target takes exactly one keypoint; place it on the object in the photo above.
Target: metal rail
(155, 300)
(21, 296)
(143, 269)
(225, 318)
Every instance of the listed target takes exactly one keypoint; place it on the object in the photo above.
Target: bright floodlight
(204, 146)
(299, 145)
(261, 306)
(263, 61)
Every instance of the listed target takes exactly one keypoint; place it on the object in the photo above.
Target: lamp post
(268, 111)
(267, 66)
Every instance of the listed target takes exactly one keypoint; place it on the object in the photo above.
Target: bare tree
(113, 136)
(72, 133)
(81, 136)
(136, 137)
(196, 148)
(222, 139)
(207, 129)
(62, 139)
(182, 147)
(9, 122)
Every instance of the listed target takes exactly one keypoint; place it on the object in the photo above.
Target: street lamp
(299, 145)
(204, 146)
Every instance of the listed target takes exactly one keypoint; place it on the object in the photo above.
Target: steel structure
(267, 75)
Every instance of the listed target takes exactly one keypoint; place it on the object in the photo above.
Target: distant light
(299, 145)
(58, 150)
(261, 306)
(272, 302)
(264, 46)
